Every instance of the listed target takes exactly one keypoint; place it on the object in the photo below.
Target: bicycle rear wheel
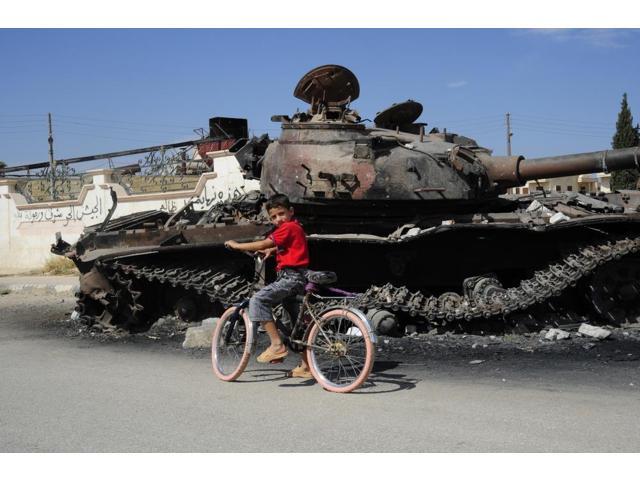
(341, 351)
(232, 344)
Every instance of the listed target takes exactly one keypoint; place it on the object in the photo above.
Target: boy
(288, 241)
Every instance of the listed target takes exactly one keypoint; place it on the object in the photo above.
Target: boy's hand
(231, 244)
(267, 252)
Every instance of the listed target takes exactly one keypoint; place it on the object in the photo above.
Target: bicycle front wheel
(232, 344)
(341, 352)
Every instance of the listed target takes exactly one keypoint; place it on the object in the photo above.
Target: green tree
(626, 136)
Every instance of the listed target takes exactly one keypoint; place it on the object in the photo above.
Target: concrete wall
(28, 230)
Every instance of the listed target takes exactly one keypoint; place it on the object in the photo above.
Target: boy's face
(279, 215)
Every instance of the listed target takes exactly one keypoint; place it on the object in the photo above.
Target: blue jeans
(289, 283)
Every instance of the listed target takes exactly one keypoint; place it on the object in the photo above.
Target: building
(587, 183)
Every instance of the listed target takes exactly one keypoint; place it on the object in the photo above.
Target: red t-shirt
(291, 243)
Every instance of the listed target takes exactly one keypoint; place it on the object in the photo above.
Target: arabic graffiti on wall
(208, 197)
(97, 211)
(63, 214)
(211, 195)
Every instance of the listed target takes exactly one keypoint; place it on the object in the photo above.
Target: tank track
(219, 285)
(484, 297)
(121, 303)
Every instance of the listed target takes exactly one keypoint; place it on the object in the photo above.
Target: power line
(20, 122)
(23, 114)
(559, 132)
(560, 120)
(127, 129)
(563, 129)
(563, 126)
(18, 132)
(87, 134)
(105, 120)
(497, 121)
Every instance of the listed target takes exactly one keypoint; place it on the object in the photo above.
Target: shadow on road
(380, 380)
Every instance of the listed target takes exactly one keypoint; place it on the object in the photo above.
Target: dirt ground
(474, 352)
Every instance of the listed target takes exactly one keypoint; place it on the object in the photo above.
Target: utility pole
(52, 162)
(509, 134)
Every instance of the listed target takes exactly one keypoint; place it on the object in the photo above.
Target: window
(569, 188)
(558, 188)
(525, 190)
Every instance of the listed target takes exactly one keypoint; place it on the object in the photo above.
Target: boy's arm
(250, 246)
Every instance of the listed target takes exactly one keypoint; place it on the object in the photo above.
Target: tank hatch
(399, 115)
(332, 85)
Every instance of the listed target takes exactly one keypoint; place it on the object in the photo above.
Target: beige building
(587, 183)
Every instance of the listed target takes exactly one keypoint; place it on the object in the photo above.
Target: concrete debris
(75, 315)
(476, 362)
(167, 325)
(588, 346)
(556, 334)
(354, 332)
(411, 329)
(538, 208)
(412, 232)
(595, 332)
(209, 322)
(198, 337)
(558, 217)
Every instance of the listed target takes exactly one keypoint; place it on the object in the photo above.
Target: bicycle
(338, 342)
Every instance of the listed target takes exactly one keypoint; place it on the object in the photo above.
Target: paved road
(77, 394)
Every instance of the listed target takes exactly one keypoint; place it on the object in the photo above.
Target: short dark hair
(277, 200)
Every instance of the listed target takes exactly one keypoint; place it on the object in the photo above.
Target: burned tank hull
(514, 268)
(417, 223)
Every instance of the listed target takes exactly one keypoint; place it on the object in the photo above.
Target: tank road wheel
(614, 291)
(186, 309)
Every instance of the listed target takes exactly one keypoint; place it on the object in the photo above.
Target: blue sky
(119, 89)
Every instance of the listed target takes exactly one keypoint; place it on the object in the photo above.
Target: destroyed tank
(419, 224)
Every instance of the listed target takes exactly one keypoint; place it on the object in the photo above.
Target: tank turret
(326, 155)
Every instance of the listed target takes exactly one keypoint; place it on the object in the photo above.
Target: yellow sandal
(269, 356)
(300, 372)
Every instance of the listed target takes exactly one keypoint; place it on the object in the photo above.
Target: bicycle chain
(225, 286)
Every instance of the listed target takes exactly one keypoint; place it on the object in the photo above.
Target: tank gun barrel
(506, 172)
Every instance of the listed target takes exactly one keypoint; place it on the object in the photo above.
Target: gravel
(53, 315)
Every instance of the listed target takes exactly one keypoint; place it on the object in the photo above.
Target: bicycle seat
(322, 278)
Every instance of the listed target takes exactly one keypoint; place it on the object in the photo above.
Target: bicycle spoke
(340, 351)
(231, 344)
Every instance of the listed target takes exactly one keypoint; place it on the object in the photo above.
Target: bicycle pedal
(277, 360)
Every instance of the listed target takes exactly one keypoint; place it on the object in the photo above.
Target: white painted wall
(28, 230)
(591, 183)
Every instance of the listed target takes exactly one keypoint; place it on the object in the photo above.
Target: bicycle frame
(297, 336)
